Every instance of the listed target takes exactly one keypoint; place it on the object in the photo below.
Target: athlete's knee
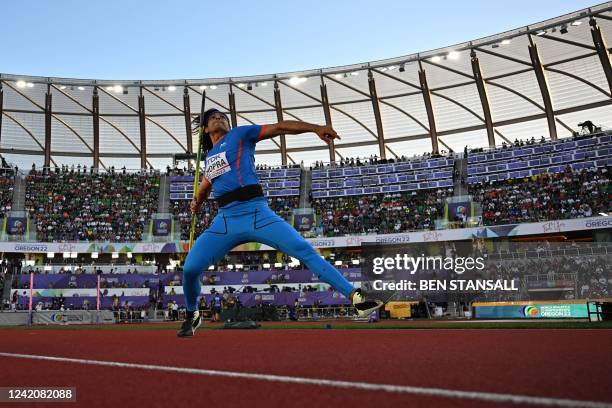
(192, 268)
(305, 251)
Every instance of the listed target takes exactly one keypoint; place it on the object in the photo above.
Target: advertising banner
(532, 311)
(325, 298)
(303, 222)
(161, 227)
(510, 230)
(86, 292)
(459, 211)
(90, 281)
(71, 317)
(16, 225)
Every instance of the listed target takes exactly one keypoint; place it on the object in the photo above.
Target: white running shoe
(189, 326)
(364, 307)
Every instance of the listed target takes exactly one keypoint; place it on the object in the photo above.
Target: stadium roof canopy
(540, 80)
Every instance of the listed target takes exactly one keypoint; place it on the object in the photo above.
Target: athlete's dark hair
(206, 140)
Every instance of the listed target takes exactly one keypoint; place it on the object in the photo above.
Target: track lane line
(400, 389)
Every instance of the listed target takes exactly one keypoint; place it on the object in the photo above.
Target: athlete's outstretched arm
(294, 127)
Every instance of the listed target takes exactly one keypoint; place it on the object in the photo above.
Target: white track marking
(400, 389)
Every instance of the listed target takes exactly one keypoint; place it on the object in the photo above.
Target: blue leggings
(252, 221)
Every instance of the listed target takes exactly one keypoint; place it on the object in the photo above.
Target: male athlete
(244, 215)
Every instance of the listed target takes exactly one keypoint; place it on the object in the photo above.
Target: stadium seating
(544, 197)
(182, 213)
(532, 160)
(543, 181)
(396, 176)
(277, 182)
(6, 194)
(381, 196)
(380, 213)
(69, 205)
(281, 186)
(536, 181)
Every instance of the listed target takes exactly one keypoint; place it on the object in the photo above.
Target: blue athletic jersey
(230, 164)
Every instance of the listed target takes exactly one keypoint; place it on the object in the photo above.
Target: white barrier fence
(52, 317)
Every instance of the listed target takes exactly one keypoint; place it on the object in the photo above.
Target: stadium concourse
(497, 149)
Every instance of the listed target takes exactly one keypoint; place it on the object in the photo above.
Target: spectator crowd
(6, 195)
(69, 205)
(544, 197)
(79, 204)
(380, 213)
(373, 160)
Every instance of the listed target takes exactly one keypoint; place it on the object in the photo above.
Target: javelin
(196, 179)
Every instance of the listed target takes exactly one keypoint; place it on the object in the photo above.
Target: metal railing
(551, 277)
(284, 313)
(538, 142)
(590, 250)
(130, 316)
(90, 170)
(365, 161)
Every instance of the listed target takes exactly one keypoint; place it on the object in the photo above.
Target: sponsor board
(539, 311)
(161, 227)
(72, 317)
(333, 242)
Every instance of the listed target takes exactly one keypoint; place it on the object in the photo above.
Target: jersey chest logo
(216, 165)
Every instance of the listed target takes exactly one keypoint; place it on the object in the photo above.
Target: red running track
(559, 364)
